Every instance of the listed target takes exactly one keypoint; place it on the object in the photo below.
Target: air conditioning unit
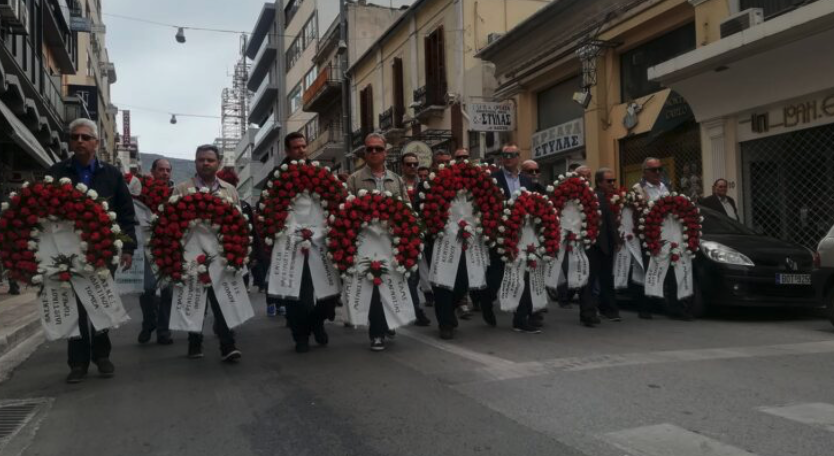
(493, 37)
(15, 16)
(741, 21)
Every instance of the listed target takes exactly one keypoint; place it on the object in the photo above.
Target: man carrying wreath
(374, 176)
(207, 161)
(108, 182)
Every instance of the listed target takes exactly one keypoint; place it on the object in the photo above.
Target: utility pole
(344, 49)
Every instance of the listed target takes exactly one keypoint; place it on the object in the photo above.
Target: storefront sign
(675, 112)
(789, 117)
(87, 94)
(81, 24)
(490, 116)
(561, 138)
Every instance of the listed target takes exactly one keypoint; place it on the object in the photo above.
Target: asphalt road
(738, 385)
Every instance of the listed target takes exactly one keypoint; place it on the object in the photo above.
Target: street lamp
(180, 36)
(173, 119)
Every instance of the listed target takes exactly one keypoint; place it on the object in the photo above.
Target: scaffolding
(234, 106)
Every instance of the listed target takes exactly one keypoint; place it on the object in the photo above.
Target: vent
(18, 422)
(741, 21)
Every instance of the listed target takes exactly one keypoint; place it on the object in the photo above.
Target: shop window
(555, 105)
(634, 64)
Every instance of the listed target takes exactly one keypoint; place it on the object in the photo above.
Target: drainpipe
(343, 62)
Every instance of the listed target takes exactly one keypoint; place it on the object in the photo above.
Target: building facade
(583, 94)
(414, 83)
(365, 22)
(761, 84)
(242, 165)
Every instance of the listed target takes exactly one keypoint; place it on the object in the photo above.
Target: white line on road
(497, 369)
(669, 440)
(817, 414)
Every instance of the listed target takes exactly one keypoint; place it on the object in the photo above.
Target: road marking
(669, 440)
(817, 414)
(498, 369)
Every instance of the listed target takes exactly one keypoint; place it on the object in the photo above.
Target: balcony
(262, 28)
(325, 90)
(262, 101)
(391, 123)
(57, 36)
(328, 147)
(430, 101)
(266, 134)
(262, 62)
(357, 138)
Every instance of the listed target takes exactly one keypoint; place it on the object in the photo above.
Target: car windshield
(717, 223)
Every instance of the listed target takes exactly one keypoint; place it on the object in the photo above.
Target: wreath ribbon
(659, 265)
(448, 250)
(629, 257)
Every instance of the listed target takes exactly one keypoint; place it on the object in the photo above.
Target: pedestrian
(374, 176)
(207, 162)
(719, 201)
(156, 309)
(440, 157)
(652, 186)
(510, 180)
(84, 167)
(412, 182)
(601, 259)
(423, 172)
(305, 314)
(530, 168)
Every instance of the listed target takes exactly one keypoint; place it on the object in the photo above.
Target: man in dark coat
(110, 184)
(601, 258)
(719, 201)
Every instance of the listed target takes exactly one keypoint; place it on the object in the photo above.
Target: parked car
(739, 267)
(825, 249)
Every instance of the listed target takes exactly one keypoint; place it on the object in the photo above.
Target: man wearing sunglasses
(601, 258)
(374, 176)
(509, 178)
(109, 183)
(410, 163)
(652, 186)
(531, 169)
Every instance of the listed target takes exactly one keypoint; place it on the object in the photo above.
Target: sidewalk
(20, 328)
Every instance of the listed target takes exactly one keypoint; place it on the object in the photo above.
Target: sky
(156, 72)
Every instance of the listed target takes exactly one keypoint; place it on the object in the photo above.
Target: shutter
(430, 68)
(441, 65)
(399, 95)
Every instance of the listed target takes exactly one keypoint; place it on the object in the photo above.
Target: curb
(22, 336)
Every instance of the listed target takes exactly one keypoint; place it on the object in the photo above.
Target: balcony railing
(357, 138)
(318, 95)
(391, 118)
(329, 138)
(264, 131)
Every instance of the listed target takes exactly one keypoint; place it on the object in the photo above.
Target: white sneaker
(378, 344)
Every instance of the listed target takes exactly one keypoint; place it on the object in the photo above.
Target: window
(311, 130)
(310, 31)
(290, 10)
(555, 105)
(399, 92)
(295, 98)
(293, 54)
(634, 64)
(366, 109)
(771, 7)
(435, 67)
(305, 38)
(310, 78)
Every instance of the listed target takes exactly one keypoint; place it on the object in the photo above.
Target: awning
(784, 58)
(23, 137)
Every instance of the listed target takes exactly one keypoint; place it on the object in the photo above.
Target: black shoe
(526, 328)
(391, 334)
(645, 315)
(422, 319)
(195, 350)
(14, 290)
(302, 346)
(230, 355)
(164, 340)
(595, 319)
(565, 305)
(378, 344)
(320, 335)
(587, 322)
(77, 374)
(447, 333)
(612, 316)
(145, 336)
(489, 316)
(106, 369)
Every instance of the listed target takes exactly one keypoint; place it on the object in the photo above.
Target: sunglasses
(610, 181)
(655, 170)
(81, 137)
(374, 149)
(533, 171)
(410, 164)
(510, 154)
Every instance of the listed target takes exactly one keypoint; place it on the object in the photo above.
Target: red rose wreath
(573, 187)
(154, 194)
(447, 183)
(291, 180)
(525, 206)
(368, 207)
(182, 213)
(634, 200)
(681, 208)
(20, 224)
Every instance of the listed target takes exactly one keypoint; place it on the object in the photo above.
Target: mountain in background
(181, 169)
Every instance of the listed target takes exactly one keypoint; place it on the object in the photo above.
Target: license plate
(793, 279)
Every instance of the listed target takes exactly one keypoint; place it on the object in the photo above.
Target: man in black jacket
(110, 184)
(601, 258)
(719, 201)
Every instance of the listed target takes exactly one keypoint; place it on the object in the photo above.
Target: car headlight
(720, 253)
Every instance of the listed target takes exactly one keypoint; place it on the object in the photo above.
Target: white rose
(37, 279)
(118, 244)
(202, 269)
(93, 194)
(369, 276)
(116, 229)
(268, 241)
(284, 167)
(388, 194)
(276, 174)
(4, 206)
(81, 187)
(112, 215)
(82, 246)
(104, 273)
(362, 193)
(48, 179)
(32, 245)
(65, 180)
(192, 191)
(115, 260)
(174, 199)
